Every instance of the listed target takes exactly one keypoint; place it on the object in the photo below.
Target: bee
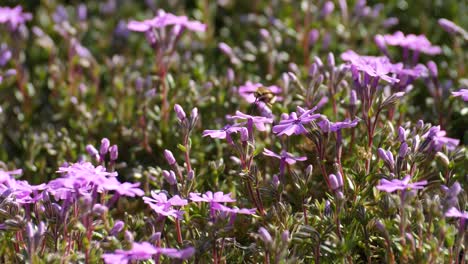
(264, 98)
(264, 95)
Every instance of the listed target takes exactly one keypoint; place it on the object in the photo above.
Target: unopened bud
(169, 157)
(333, 182)
(179, 112)
(265, 236)
(170, 177)
(401, 134)
(118, 226)
(105, 143)
(244, 134)
(114, 152)
(403, 150)
(432, 69)
(92, 151)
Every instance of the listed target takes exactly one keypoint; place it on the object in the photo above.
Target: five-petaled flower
(294, 124)
(395, 184)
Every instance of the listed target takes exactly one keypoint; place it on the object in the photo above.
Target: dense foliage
(233, 131)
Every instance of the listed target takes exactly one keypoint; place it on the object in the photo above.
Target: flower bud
(92, 151)
(403, 150)
(118, 226)
(333, 182)
(401, 134)
(170, 177)
(244, 134)
(318, 61)
(128, 236)
(285, 236)
(339, 177)
(309, 170)
(190, 175)
(169, 157)
(105, 143)
(331, 60)
(442, 157)
(265, 236)
(100, 209)
(114, 152)
(194, 114)
(313, 36)
(327, 9)
(432, 69)
(449, 26)
(420, 124)
(380, 42)
(179, 112)
(353, 98)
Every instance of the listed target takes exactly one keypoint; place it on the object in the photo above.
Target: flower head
(286, 156)
(144, 251)
(222, 133)
(373, 66)
(294, 124)
(210, 197)
(417, 43)
(454, 212)
(463, 93)
(164, 19)
(258, 121)
(395, 184)
(13, 17)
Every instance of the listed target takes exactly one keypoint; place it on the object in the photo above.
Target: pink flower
(209, 197)
(144, 251)
(14, 17)
(163, 206)
(258, 121)
(164, 19)
(373, 66)
(222, 133)
(413, 42)
(463, 93)
(294, 124)
(439, 139)
(454, 212)
(395, 184)
(286, 156)
(226, 209)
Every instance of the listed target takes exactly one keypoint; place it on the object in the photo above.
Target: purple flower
(463, 93)
(163, 206)
(454, 212)
(265, 235)
(451, 27)
(294, 124)
(169, 157)
(284, 156)
(144, 251)
(258, 121)
(222, 133)
(14, 17)
(395, 184)
(23, 192)
(328, 126)
(439, 139)
(210, 197)
(387, 157)
(220, 207)
(164, 19)
(125, 189)
(373, 66)
(247, 91)
(417, 43)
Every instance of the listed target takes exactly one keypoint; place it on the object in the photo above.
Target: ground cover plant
(233, 131)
